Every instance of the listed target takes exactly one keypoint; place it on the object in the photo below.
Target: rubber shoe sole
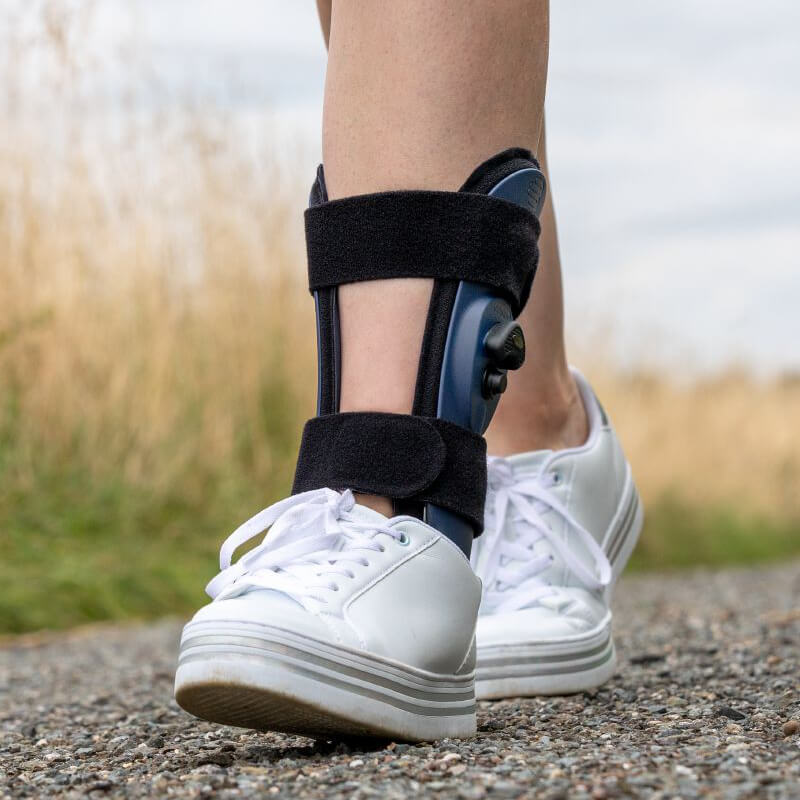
(547, 668)
(268, 679)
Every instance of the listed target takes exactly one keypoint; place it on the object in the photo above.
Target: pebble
(703, 706)
(219, 758)
(730, 713)
(791, 727)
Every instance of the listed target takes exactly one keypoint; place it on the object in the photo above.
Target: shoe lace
(511, 563)
(313, 540)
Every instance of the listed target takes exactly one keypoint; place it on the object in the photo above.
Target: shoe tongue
(531, 463)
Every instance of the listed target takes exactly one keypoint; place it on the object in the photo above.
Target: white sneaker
(560, 527)
(340, 622)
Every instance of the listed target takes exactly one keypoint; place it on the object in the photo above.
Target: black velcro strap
(398, 456)
(421, 234)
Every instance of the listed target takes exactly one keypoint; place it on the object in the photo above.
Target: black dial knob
(494, 382)
(505, 345)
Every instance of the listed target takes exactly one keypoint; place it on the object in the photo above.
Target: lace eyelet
(556, 477)
(335, 587)
(404, 539)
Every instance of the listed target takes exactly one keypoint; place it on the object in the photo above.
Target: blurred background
(156, 336)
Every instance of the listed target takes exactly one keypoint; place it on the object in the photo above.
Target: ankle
(550, 416)
(383, 505)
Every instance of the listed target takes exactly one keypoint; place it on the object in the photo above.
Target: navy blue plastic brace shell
(476, 310)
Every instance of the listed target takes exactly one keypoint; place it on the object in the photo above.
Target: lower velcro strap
(398, 456)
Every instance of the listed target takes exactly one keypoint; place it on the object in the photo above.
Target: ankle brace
(479, 245)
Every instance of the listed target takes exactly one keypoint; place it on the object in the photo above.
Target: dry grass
(142, 323)
(728, 440)
(132, 314)
(144, 328)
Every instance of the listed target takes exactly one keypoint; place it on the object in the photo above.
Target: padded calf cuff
(423, 234)
(422, 459)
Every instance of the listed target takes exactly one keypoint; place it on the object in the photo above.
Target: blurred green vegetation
(80, 545)
(679, 535)
(78, 549)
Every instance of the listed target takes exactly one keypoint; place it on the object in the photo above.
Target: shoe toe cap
(541, 623)
(264, 607)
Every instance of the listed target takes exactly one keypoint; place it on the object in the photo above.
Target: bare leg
(417, 94)
(542, 408)
(324, 12)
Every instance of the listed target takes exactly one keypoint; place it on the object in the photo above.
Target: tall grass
(717, 461)
(157, 363)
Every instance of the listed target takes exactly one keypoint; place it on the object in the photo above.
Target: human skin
(417, 94)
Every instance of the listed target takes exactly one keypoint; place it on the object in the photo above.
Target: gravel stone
(731, 713)
(706, 705)
(791, 727)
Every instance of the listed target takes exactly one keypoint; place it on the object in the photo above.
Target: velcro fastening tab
(386, 454)
(397, 456)
(424, 234)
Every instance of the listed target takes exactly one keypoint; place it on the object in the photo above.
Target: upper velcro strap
(397, 456)
(421, 234)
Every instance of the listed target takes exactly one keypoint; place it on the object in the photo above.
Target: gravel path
(707, 703)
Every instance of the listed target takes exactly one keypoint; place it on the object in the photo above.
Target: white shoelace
(313, 539)
(511, 573)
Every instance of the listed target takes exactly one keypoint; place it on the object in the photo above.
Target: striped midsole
(513, 665)
(410, 692)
